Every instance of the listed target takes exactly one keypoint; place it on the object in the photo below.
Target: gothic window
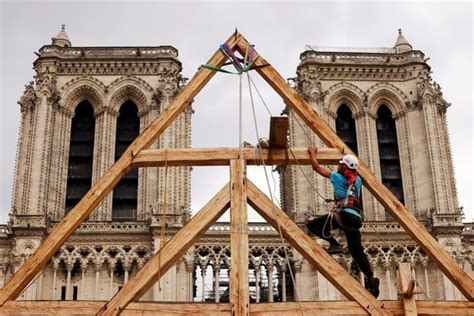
(124, 203)
(81, 152)
(345, 127)
(388, 151)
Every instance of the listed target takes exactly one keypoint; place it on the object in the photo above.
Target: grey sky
(443, 31)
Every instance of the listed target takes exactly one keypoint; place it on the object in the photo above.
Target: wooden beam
(239, 240)
(187, 308)
(278, 132)
(436, 252)
(319, 258)
(222, 157)
(171, 252)
(106, 183)
(406, 285)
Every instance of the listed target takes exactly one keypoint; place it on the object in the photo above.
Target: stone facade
(105, 253)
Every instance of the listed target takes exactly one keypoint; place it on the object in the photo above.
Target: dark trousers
(351, 225)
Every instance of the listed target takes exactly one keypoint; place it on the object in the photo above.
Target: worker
(347, 214)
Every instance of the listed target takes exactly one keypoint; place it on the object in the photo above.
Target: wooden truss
(236, 195)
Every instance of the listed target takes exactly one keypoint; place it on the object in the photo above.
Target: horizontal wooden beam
(187, 308)
(222, 156)
(169, 254)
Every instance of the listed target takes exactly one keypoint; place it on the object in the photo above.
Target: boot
(372, 285)
(335, 249)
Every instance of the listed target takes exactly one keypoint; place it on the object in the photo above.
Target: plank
(171, 252)
(319, 258)
(187, 308)
(106, 183)
(436, 252)
(239, 240)
(222, 157)
(405, 288)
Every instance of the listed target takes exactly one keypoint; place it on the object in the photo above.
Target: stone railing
(171, 220)
(361, 58)
(468, 229)
(108, 52)
(4, 229)
(254, 228)
(29, 221)
(111, 227)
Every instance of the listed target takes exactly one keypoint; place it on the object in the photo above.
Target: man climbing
(347, 215)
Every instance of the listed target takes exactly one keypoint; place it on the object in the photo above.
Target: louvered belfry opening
(124, 202)
(388, 152)
(81, 153)
(346, 130)
(345, 127)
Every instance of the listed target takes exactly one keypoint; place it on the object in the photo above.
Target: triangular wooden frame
(239, 296)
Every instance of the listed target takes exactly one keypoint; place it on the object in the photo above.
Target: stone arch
(83, 88)
(388, 94)
(346, 93)
(129, 88)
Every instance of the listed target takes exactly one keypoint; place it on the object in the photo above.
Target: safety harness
(352, 201)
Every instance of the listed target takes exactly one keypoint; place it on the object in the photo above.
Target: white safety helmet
(350, 161)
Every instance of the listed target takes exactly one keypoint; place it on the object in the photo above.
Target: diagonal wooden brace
(323, 262)
(171, 252)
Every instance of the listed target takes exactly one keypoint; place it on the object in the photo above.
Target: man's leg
(354, 243)
(321, 227)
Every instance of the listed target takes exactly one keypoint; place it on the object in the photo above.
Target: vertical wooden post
(406, 286)
(239, 246)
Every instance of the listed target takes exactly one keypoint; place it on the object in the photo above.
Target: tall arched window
(81, 152)
(345, 127)
(389, 156)
(124, 203)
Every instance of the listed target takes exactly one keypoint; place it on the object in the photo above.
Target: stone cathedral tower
(385, 106)
(85, 106)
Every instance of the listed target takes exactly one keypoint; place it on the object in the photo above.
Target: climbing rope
(290, 269)
(163, 219)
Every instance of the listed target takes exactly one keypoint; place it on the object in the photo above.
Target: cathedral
(87, 104)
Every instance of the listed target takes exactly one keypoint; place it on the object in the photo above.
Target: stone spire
(402, 45)
(61, 39)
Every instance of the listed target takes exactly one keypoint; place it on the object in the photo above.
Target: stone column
(427, 282)
(112, 267)
(388, 280)
(83, 272)
(55, 269)
(98, 267)
(190, 271)
(257, 283)
(216, 282)
(203, 274)
(126, 268)
(283, 283)
(69, 267)
(104, 155)
(368, 151)
(270, 282)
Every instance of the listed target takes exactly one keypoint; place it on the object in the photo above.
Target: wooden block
(279, 131)
(406, 285)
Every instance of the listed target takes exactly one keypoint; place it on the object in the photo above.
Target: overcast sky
(280, 31)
